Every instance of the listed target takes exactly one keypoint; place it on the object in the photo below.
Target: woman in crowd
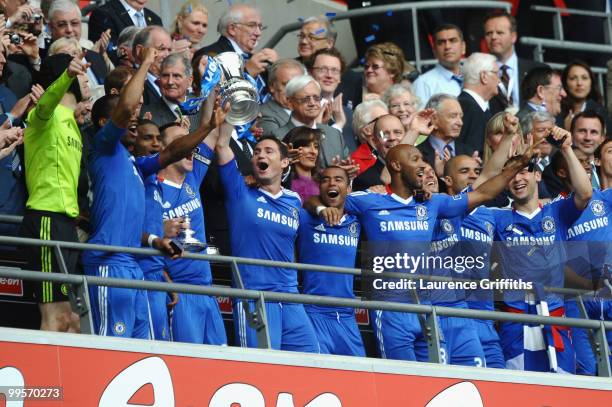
(493, 136)
(582, 93)
(402, 103)
(306, 167)
(191, 24)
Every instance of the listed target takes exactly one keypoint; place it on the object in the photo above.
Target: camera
(36, 17)
(15, 39)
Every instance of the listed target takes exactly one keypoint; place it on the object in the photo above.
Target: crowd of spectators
(96, 145)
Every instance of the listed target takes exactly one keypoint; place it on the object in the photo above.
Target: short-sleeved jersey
(593, 226)
(262, 226)
(184, 200)
(445, 244)
(320, 243)
(153, 223)
(53, 148)
(476, 239)
(117, 213)
(532, 247)
(392, 218)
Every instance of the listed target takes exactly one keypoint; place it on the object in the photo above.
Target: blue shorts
(158, 301)
(122, 312)
(462, 342)
(399, 336)
(489, 340)
(337, 333)
(288, 325)
(197, 319)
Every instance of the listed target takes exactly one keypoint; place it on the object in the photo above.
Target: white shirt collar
(529, 215)
(131, 10)
(401, 200)
(153, 79)
(298, 123)
(172, 184)
(174, 107)
(236, 47)
(273, 196)
(484, 105)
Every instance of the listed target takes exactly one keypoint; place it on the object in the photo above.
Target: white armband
(320, 209)
(151, 239)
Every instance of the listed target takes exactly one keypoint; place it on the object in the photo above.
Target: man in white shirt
(445, 77)
(481, 77)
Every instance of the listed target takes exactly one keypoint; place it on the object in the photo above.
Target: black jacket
(474, 122)
(114, 16)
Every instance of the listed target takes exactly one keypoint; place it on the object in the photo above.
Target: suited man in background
(119, 14)
(480, 78)
(304, 97)
(543, 92)
(240, 28)
(500, 33)
(275, 112)
(174, 81)
(447, 123)
(158, 38)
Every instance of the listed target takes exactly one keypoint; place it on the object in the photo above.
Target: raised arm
(223, 149)
(497, 160)
(182, 146)
(56, 91)
(583, 191)
(493, 187)
(130, 95)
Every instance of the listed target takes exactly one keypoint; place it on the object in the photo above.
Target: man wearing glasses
(543, 92)
(240, 28)
(316, 33)
(304, 99)
(327, 68)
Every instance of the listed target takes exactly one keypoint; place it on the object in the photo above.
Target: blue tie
(458, 79)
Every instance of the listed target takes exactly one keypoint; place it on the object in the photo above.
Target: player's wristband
(319, 209)
(151, 240)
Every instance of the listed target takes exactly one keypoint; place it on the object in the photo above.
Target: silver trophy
(187, 241)
(239, 92)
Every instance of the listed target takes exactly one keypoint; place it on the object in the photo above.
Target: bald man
(403, 223)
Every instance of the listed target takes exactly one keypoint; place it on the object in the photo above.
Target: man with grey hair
(316, 33)
(152, 37)
(119, 14)
(240, 28)
(447, 123)
(275, 112)
(65, 22)
(125, 41)
(364, 116)
(536, 126)
(304, 99)
(174, 81)
(480, 85)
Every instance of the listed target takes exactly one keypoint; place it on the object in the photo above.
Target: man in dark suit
(480, 78)
(158, 38)
(275, 112)
(543, 92)
(117, 14)
(304, 98)
(500, 31)
(447, 122)
(175, 80)
(240, 28)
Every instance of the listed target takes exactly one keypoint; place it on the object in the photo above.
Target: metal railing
(79, 296)
(414, 8)
(558, 20)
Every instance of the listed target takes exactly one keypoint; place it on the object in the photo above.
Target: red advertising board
(114, 378)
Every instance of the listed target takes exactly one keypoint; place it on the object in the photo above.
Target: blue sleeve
(451, 206)
(566, 211)
(148, 164)
(357, 202)
(232, 180)
(106, 139)
(202, 157)
(153, 210)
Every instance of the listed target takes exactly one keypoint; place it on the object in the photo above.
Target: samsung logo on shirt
(183, 209)
(401, 225)
(530, 241)
(277, 218)
(339, 240)
(587, 226)
(475, 235)
(444, 244)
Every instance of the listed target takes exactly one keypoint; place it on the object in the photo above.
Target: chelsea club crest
(189, 191)
(598, 208)
(548, 224)
(447, 226)
(353, 229)
(421, 212)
